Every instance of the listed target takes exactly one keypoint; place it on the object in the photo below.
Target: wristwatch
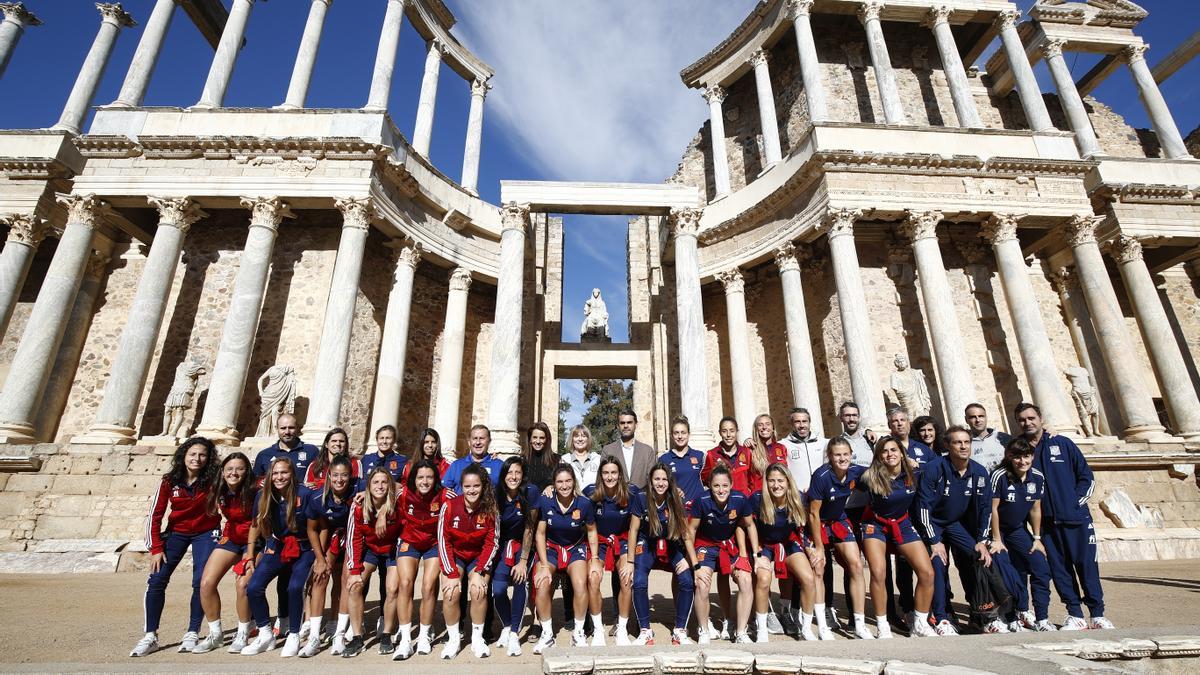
(696, 567)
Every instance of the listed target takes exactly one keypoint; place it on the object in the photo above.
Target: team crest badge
(479, 518)
(640, 549)
(732, 516)
(1031, 488)
(392, 465)
(403, 546)
(868, 529)
(303, 456)
(576, 515)
(694, 461)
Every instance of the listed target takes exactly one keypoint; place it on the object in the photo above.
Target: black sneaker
(534, 633)
(385, 643)
(354, 647)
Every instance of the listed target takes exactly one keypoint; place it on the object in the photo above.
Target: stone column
(739, 348)
(506, 331)
(715, 96)
(114, 424)
(1068, 96)
(1160, 115)
(1083, 337)
(306, 57)
(954, 372)
(1026, 82)
(799, 11)
(423, 130)
(329, 377)
(1177, 390)
(1137, 408)
(389, 378)
(470, 170)
(25, 234)
(141, 68)
(16, 18)
(881, 63)
(112, 19)
(43, 332)
(449, 387)
(1037, 356)
(221, 70)
(385, 56)
(952, 65)
(241, 322)
(766, 108)
(689, 318)
(856, 324)
(805, 393)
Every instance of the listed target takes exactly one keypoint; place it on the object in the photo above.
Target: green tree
(564, 405)
(606, 399)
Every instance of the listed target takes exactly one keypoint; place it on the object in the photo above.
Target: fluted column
(739, 347)
(393, 350)
(1026, 82)
(506, 331)
(44, 329)
(423, 130)
(805, 393)
(881, 63)
(329, 378)
(1156, 107)
(25, 234)
(715, 96)
(856, 324)
(241, 322)
(766, 107)
(114, 423)
(1083, 337)
(1037, 356)
(470, 169)
(16, 18)
(385, 56)
(221, 70)
(1137, 408)
(689, 318)
(449, 387)
(952, 66)
(1068, 96)
(1183, 406)
(799, 11)
(306, 56)
(141, 68)
(112, 19)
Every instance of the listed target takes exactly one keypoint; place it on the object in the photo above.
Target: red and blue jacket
(465, 535)
(361, 536)
(189, 512)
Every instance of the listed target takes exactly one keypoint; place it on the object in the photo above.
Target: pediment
(1115, 13)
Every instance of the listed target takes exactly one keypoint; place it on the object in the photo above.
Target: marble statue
(179, 399)
(595, 318)
(1086, 402)
(912, 393)
(277, 393)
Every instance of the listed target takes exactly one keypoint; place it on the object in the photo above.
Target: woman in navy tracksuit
(517, 500)
(614, 499)
(829, 490)
(659, 527)
(328, 511)
(1017, 490)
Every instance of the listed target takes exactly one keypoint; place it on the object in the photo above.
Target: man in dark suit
(636, 458)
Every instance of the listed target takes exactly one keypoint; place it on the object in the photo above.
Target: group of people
(483, 533)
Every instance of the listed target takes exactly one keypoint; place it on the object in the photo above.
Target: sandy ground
(90, 622)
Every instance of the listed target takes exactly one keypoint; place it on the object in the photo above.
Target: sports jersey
(189, 512)
(237, 519)
(334, 513)
(718, 523)
(686, 470)
(452, 480)
(832, 492)
(420, 516)
(314, 478)
(988, 448)
(302, 455)
(948, 497)
(921, 454)
(513, 515)
(740, 466)
(361, 536)
(466, 536)
(394, 463)
(896, 503)
(566, 527)
(641, 505)
(804, 456)
(442, 467)
(611, 518)
(779, 530)
(1016, 497)
(278, 518)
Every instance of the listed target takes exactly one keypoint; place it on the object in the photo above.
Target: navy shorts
(873, 529)
(406, 550)
(379, 559)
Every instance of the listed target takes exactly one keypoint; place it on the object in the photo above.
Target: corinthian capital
(177, 212)
(514, 216)
(869, 10)
(1053, 47)
(27, 230)
(114, 13)
(1134, 53)
(759, 57)
(785, 258)
(460, 279)
(85, 210)
(436, 46)
(1007, 18)
(714, 93)
(798, 8)
(921, 225)
(686, 222)
(938, 14)
(1125, 249)
(357, 213)
(17, 13)
(840, 222)
(480, 87)
(267, 212)
(1081, 229)
(408, 256)
(1001, 227)
(733, 281)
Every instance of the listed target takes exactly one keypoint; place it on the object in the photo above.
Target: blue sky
(585, 90)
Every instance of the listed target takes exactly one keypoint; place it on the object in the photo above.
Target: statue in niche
(179, 399)
(912, 393)
(277, 394)
(595, 319)
(1086, 403)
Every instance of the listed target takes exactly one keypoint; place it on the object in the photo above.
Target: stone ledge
(1137, 544)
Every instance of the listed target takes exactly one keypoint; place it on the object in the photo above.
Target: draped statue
(912, 392)
(277, 393)
(595, 319)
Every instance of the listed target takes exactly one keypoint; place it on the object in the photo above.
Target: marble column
(423, 130)
(393, 350)
(470, 168)
(856, 324)
(715, 96)
(1156, 107)
(689, 318)
(766, 108)
(44, 329)
(241, 322)
(385, 56)
(1068, 96)
(506, 330)
(221, 70)
(114, 423)
(881, 63)
(952, 66)
(739, 349)
(805, 393)
(1183, 406)
(1137, 408)
(333, 355)
(306, 57)
(112, 19)
(141, 68)
(449, 385)
(16, 18)
(1083, 337)
(1026, 82)
(25, 234)
(954, 372)
(799, 11)
(1033, 343)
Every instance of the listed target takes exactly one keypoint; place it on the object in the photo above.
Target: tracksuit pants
(1031, 573)
(961, 545)
(175, 546)
(510, 611)
(268, 568)
(685, 590)
(1071, 553)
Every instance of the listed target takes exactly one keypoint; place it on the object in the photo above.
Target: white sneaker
(761, 636)
(623, 638)
(1044, 626)
(679, 636)
(578, 638)
(885, 632)
(312, 647)
(189, 641)
(724, 634)
(1016, 627)
(1075, 623)
(146, 646)
(291, 646)
(514, 645)
(338, 646)
(645, 637)
(502, 641)
(598, 637)
(862, 632)
(702, 636)
(774, 626)
(1027, 619)
(920, 628)
(265, 642)
(806, 633)
(1101, 623)
(404, 650)
(946, 629)
(825, 634)
(996, 626)
(211, 642)
(239, 641)
(480, 649)
(424, 646)
(305, 629)
(453, 644)
(742, 639)
(545, 642)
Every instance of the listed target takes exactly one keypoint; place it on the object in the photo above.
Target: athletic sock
(547, 629)
(452, 631)
(476, 632)
(424, 631)
(819, 612)
(622, 622)
(882, 621)
(598, 622)
(806, 620)
(580, 622)
(244, 627)
(860, 620)
(314, 627)
(343, 622)
(214, 627)
(921, 617)
(760, 620)
(405, 631)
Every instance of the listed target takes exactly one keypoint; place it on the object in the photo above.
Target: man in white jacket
(806, 453)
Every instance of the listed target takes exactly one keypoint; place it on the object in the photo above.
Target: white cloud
(590, 89)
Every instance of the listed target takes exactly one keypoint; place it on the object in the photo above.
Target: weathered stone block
(567, 665)
(682, 663)
(727, 661)
(29, 482)
(65, 527)
(115, 464)
(81, 485)
(79, 545)
(1177, 645)
(142, 485)
(817, 665)
(624, 665)
(902, 668)
(777, 664)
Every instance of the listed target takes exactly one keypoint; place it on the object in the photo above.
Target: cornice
(1147, 193)
(34, 168)
(229, 147)
(727, 47)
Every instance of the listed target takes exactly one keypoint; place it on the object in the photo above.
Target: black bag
(990, 600)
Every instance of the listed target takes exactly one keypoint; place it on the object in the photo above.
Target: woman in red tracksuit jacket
(371, 536)
(234, 499)
(468, 533)
(420, 503)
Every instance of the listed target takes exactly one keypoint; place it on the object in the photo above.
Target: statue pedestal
(595, 338)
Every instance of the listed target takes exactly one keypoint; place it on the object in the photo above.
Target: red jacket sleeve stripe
(158, 509)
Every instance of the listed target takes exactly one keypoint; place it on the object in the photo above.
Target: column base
(1153, 433)
(107, 434)
(315, 435)
(160, 441)
(220, 435)
(286, 106)
(702, 440)
(373, 108)
(505, 443)
(204, 105)
(16, 433)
